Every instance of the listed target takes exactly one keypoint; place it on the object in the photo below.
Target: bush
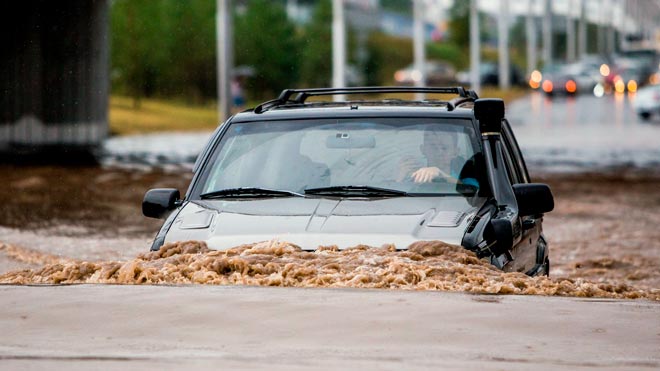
(265, 39)
(386, 54)
(448, 52)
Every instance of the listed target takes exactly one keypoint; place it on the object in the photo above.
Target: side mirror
(499, 230)
(533, 198)
(158, 202)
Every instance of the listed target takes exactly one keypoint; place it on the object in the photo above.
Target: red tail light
(570, 86)
(547, 86)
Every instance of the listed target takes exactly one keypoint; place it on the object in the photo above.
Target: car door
(524, 253)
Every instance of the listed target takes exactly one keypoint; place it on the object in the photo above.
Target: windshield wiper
(355, 191)
(249, 192)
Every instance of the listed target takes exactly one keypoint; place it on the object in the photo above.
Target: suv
(369, 172)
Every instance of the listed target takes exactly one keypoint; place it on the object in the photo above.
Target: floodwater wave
(426, 265)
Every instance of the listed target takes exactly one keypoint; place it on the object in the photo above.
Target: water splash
(427, 265)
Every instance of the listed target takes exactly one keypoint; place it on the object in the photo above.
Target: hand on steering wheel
(428, 174)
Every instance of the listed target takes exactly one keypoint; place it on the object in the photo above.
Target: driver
(443, 162)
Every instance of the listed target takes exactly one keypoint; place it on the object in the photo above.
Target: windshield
(428, 156)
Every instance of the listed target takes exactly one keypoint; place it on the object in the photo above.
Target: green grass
(508, 95)
(155, 115)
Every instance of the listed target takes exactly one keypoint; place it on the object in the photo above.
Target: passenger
(443, 162)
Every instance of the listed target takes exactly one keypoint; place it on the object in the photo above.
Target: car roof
(357, 109)
(293, 104)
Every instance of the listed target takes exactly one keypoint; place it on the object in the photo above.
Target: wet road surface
(583, 133)
(128, 327)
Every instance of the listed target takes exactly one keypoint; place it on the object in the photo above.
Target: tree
(398, 6)
(459, 24)
(317, 47)
(265, 39)
(385, 55)
(191, 66)
(137, 52)
(164, 47)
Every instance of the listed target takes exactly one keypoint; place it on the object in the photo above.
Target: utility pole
(530, 31)
(602, 28)
(338, 47)
(503, 45)
(627, 13)
(611, 30)
(547, 32)
(225, 56)
(570, 33)
(418, 47)
(648, 21)
(475, 47)
(638, 17)
(582, 30)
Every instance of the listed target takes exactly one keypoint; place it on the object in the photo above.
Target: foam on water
(427, 265)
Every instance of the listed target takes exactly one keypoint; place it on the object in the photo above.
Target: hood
(311, 222)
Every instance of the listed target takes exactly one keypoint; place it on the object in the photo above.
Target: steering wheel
(428, 187)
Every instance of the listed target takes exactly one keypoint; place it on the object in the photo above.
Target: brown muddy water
(83, 225)
(427, 265)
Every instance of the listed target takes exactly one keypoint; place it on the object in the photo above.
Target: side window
(514, 176)
(515, 152)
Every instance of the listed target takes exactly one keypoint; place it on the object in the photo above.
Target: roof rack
(302, 94)
(471, 97)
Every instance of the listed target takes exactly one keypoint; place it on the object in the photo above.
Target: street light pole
(570, 33)
(338, 47)
(582, 30)
(547, 32)
(418, 47)
(530, 31)
(503, 45)
(602, 28)
(611, 30)
(225, 46)
(475, 47)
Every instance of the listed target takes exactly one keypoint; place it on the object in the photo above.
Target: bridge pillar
(53, 74)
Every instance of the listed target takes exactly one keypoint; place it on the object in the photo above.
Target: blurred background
(166, 64)
(101, 100)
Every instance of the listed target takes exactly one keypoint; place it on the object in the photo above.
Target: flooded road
(93, 215)
(165, 150)
(584, 147)
(426, 265)
(70, 225)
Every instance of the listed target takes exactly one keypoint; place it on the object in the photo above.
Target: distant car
(437, 73)
(489, 75)
(647, 101)
(568, 79)
(646, 60)
(626, 75)
(364, 172)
